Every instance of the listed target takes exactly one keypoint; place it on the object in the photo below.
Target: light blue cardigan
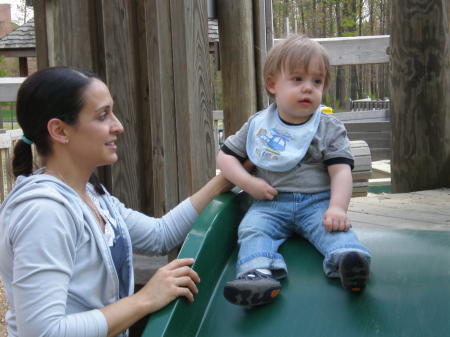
(55, 265)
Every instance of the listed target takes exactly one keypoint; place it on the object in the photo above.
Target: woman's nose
(117, 126)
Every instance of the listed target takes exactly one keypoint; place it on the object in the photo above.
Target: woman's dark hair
(55, 92)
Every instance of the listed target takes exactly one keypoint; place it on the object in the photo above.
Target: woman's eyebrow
(103, 107)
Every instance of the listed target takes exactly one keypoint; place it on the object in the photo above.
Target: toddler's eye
(297, 78)
(318, 81)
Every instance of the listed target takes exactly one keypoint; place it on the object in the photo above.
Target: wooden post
(193, 94)
(420, 104)
(23, 67)
(40, 28)
(263, 37)
(160, 139)
(237, 62)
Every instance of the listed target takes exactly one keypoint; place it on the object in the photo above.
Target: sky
(16, 16)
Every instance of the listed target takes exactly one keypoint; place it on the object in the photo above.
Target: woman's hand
(169, 282)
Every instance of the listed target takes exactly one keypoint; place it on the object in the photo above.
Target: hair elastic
(26, 140)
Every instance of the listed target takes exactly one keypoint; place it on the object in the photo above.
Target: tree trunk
(420, 105)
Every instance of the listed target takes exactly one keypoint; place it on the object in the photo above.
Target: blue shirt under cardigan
(55, 264)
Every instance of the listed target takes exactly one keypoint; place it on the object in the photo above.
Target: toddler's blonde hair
(296, 52)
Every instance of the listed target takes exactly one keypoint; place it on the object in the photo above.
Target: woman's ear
(57, 131)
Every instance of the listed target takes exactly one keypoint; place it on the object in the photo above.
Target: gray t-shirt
(330, 145)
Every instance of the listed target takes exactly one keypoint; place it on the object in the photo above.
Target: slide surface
(408, 293)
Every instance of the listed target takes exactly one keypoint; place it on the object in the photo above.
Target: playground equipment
(408, 293)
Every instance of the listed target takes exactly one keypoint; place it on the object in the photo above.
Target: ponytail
(22, 163)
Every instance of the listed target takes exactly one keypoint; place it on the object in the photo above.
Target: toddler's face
(298, 92)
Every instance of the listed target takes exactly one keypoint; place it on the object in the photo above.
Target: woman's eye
(103, 116)
(297, 78)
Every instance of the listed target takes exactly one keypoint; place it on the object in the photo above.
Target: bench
(374, 127)
(366, 104)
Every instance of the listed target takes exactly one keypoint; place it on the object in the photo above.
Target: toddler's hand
(335, 219)
(259, 189)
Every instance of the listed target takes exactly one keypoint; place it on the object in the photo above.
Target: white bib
(277, 146)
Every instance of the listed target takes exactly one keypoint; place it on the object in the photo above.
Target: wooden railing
(8, 93)
(7, 141)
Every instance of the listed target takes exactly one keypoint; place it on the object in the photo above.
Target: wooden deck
(427, 210)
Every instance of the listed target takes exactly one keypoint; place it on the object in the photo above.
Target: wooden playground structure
(153, 55)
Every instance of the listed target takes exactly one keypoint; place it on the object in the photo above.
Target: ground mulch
(3, 308)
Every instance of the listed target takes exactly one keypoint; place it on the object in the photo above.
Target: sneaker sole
(354, 272)
(250, 296)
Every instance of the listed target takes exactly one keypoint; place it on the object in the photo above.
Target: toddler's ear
(270, 84)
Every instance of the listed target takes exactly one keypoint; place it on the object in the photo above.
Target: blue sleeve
(158, 236)
(43, 235)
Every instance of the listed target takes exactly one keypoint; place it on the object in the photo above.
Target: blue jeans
(269, 223)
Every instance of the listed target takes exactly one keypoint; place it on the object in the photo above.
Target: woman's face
(92, 140)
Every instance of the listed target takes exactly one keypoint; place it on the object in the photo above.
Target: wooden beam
(15, 52)
(160, 150)
(193, 95)
(263, 38)
(40, 29)
(420, 100)
(356, 50)
(237, 62)
(121, 77)
(9, 87)
(23, 67)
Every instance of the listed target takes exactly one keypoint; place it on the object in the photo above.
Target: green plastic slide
(408, 293)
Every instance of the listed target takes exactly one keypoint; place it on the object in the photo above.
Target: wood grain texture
(120, 68)
(160, 139)
(193, 95)
(238, 62)
(420, 105)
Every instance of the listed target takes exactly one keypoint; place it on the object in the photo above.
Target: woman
(65, 242)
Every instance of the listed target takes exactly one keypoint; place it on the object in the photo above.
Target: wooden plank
(40, 29)
(379, 154)
(419, 210)
(354, 116)
(193, 96)
(160, 159)
(9, 87)
(69, 35)
(262, 38)
(356, 50)
(121, 69)
(371, 126)
(237, 59)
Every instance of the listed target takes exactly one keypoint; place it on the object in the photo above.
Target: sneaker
(251, 289)
(354, 271)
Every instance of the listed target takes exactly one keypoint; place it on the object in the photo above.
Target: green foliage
(3, 71)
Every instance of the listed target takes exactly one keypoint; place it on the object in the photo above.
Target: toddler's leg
(261, 233)
(344, 255)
